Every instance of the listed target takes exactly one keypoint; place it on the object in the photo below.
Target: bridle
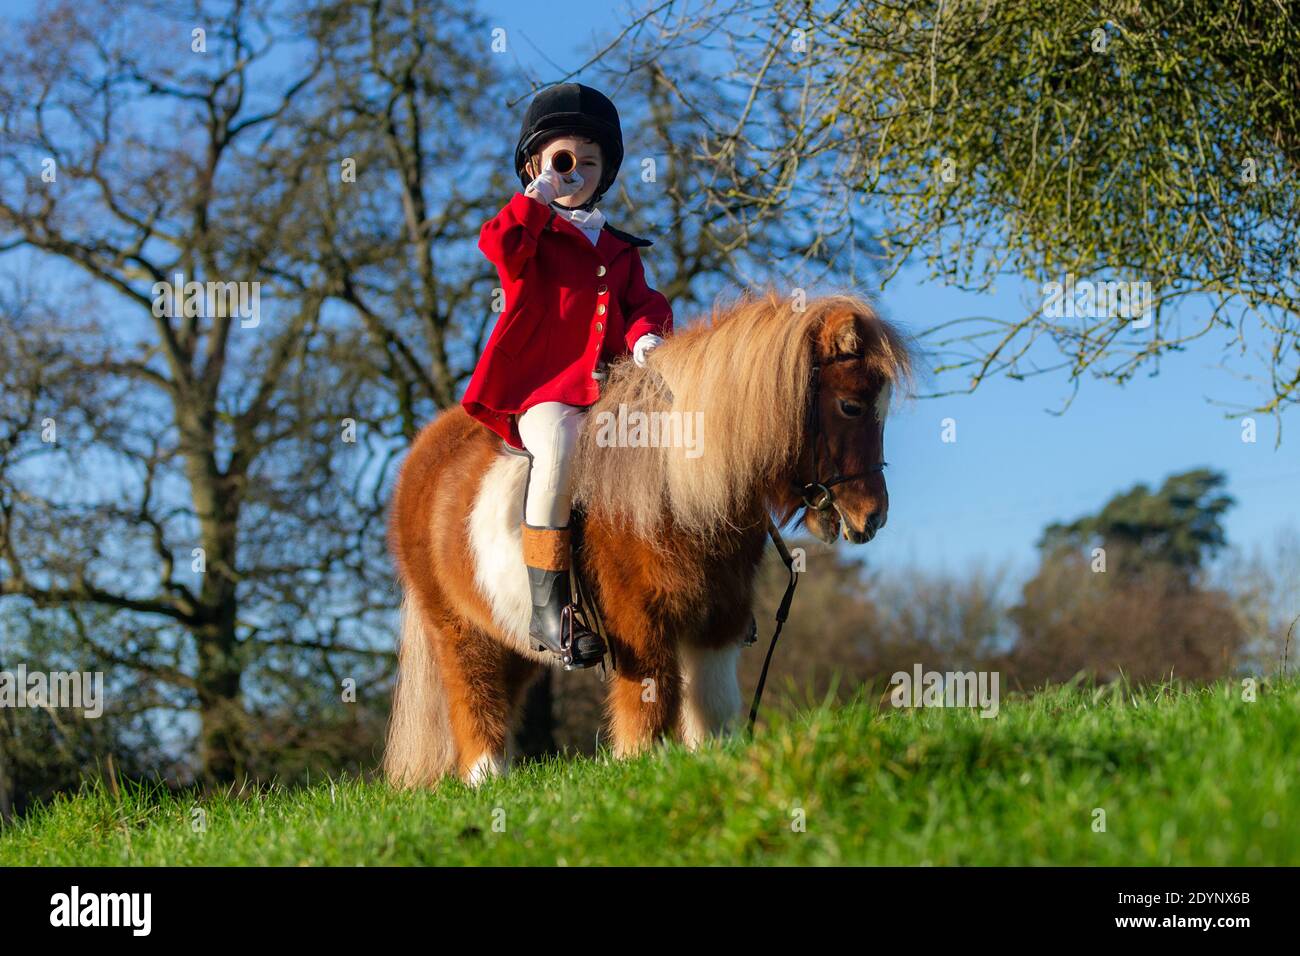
(817, 494)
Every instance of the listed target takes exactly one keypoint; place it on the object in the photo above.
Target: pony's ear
(839, 335)
(847, 340)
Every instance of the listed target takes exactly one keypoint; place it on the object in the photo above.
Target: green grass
(1185, 776)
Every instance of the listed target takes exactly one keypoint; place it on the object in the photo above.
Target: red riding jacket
(569, 305)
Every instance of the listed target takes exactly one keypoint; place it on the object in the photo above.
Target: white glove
(644, 345)
(550, 185)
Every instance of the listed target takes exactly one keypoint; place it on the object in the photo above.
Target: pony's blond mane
(748, 369)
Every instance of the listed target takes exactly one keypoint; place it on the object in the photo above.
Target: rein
(782, 612)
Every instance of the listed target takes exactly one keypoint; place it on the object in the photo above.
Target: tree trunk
(223, 746)
(225, 729)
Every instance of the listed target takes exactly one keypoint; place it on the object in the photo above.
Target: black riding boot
(553, 626)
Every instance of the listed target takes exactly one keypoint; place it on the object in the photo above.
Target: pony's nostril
(876, 520)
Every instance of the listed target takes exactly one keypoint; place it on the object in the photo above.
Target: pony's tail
(420, 748)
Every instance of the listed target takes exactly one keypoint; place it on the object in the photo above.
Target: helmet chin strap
(596, 197)
(586, 207)
(589, 205)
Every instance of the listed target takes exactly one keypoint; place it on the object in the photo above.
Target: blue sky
(1015, 466)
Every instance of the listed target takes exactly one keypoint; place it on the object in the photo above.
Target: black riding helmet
(574, 110)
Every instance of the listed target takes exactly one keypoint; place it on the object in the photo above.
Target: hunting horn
(564, 162)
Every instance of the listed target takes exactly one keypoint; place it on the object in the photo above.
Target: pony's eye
(850, 409)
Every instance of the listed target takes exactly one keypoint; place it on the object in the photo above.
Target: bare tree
(212, 475)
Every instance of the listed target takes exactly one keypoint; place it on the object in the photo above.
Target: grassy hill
(1185, 776)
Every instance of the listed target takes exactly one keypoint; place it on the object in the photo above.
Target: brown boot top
(546, 548)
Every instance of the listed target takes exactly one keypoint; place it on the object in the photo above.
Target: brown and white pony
(673, 534)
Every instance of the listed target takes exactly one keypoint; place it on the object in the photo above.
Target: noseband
(817, 494)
